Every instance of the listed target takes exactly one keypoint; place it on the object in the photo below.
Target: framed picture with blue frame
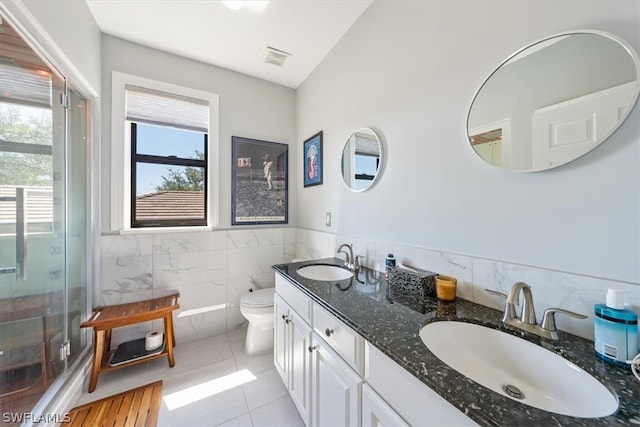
(313, 165)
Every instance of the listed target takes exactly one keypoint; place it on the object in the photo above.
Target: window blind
(24, 85)
(366, 145)
(161, 108)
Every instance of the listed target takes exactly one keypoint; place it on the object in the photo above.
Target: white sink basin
(498, 360)
(324, 272)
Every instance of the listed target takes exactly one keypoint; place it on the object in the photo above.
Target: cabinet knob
(311, 348)
(328, 332)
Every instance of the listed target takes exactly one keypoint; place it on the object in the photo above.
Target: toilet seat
(259, 298)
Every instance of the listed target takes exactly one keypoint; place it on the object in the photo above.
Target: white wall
(410, 70)
(249, 107)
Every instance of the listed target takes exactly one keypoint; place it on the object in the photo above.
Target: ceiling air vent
(276, 56)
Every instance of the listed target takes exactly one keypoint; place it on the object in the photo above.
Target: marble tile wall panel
(203, 311)
(126, 270)
(550, 288)
(211, 270)
(214, 269)
(253, 252)
(126, 246)
(457, 266)
(315, 244)
(176, 270)
(289, 244)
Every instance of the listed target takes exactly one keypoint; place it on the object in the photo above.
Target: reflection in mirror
(554, 101)
(361, 159)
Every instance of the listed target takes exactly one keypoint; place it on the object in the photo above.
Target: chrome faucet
(528, 313)
(348, 261)
(527, 320)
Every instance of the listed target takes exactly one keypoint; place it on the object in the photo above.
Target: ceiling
(209, 31)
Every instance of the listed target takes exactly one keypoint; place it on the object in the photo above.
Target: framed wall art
(260, 186)
(313, 165)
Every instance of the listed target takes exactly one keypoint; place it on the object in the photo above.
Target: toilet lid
(259, 298)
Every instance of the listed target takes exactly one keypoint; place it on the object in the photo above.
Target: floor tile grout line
(246, 401)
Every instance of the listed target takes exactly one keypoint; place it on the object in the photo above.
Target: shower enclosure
(44, 224)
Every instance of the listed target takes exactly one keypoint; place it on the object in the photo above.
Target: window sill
(158, 230)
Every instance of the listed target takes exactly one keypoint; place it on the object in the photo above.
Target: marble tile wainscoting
(211, 270)
(550, 288)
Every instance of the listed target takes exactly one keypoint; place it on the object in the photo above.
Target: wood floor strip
(131, 408)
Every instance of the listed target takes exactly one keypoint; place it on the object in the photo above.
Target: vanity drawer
(344, 340)
(296, 299)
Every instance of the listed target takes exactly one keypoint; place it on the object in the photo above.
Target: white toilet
(257, 308)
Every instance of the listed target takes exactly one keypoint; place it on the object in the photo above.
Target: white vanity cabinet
(324, 388)
(336, 378)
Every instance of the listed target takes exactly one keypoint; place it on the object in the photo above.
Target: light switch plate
(328, 219)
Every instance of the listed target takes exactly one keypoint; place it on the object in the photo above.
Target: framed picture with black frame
(260, 182)
(313, 165)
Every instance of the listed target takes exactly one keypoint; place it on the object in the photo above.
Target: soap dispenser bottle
(615, 329)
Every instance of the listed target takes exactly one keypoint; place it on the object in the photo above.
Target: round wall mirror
(554, 101)
(361, 159)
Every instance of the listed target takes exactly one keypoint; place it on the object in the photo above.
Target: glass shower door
(33, 242)
(77, 222)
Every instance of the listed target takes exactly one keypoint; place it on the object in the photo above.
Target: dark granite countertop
(365, 306)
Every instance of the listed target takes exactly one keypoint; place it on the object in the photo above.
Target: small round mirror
(361, 159)
(554, 101)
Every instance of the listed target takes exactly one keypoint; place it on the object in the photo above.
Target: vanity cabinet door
(376, 412)
(300, 364)
(335, 388)
(280, 340)
(292, 338)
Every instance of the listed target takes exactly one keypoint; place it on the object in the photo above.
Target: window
(26, 147)
(165, 146)
(168, 159)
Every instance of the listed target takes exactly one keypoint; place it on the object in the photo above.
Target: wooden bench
(136, 407)
(22, 344)
(104, 319)
(49, 307)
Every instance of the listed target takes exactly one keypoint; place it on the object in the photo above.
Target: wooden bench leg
(168, 333)
(98, 352)
(43, 363)
(107, 340)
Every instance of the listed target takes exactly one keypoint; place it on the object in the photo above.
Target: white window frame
(121, 152)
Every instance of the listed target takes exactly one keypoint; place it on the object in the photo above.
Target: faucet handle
(549, 318)
(509, 309)
(496, 293)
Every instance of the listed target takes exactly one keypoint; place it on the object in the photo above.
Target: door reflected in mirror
(554, 101)
(361, 159)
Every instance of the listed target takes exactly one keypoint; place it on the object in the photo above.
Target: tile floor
(214, 383)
